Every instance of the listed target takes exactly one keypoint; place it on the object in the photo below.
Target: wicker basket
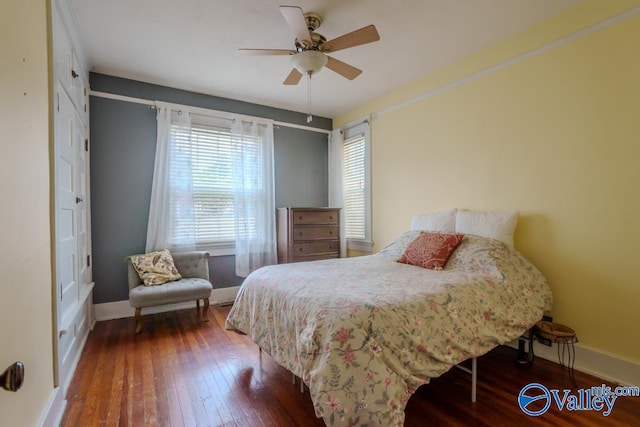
(554, 331)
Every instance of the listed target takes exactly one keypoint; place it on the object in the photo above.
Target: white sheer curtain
(254, 195)
(336, 181)
(171, 211)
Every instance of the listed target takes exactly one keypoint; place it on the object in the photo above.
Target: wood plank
(179, 372)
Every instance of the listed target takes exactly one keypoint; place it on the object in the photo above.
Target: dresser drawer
(314, 233)
(316, 248)
(308, 233)
(315, 217)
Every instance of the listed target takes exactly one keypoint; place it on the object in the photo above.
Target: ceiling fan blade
(295, 18)
(266, 51)
(364, 35)
(293, 78)
(345, 70)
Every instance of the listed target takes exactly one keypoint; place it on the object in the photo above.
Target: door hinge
(86, 144)
(88, 260)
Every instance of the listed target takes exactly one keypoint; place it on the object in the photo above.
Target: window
(204, 154)
(213, 185)
(356, 209)
(354, 188)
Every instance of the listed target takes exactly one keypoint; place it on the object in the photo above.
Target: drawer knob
(300, 217)
(300, 249)
(330, 217)
(330, 232)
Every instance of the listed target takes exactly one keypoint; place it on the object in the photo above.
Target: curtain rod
(355, 123)
(152, 104)
(232, 120)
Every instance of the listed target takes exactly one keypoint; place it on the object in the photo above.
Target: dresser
(308, 234)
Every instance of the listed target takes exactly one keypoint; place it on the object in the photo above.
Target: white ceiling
(193, 44)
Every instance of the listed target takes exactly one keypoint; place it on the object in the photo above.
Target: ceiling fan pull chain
(309, 116)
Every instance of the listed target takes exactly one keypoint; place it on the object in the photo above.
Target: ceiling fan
(311, 48)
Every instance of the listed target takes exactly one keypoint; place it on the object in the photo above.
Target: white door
(66, 227)
(82, 148)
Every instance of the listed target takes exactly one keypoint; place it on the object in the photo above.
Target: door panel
(80, 137)
(66, 225)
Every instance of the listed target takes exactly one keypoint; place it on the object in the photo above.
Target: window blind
(202, 156)
(354, 187)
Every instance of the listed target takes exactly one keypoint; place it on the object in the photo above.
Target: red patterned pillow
(431, 250)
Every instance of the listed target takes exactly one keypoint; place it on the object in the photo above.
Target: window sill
(217, 249)
(359, 245)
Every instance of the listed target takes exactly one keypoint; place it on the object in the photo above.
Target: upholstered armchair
(194, 285)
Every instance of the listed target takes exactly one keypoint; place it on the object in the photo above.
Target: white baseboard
(122, 309)
(57, 404)
(593, 362)
(224, 295)
(74, 364)
(53, 413)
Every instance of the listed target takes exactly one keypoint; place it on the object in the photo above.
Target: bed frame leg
(474, 378)
(293, 381)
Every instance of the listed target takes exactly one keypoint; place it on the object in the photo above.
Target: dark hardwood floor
(177, 372)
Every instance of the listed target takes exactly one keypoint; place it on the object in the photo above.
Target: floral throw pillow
(431, 250)
(156, 268)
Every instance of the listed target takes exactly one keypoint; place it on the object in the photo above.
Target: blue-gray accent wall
(123, 139)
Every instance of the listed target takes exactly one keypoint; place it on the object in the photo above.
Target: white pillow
(443, 222)
(496, 225)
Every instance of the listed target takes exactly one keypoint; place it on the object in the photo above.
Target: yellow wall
(556, 136)
(25, 253)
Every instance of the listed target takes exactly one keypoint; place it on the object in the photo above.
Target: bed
(364, 333)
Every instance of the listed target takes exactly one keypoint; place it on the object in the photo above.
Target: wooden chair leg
(205, 318)
(198, 317)
(138, 320)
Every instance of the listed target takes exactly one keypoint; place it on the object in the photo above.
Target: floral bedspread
(364, 333)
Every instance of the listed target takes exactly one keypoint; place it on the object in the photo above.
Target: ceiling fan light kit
(311, 48)
(309, 61)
